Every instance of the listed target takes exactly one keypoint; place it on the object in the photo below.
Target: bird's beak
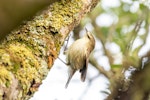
(86, 30)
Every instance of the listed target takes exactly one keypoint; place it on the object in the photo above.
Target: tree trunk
(27, 53)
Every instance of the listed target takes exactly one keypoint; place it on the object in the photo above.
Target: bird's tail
(70, 76)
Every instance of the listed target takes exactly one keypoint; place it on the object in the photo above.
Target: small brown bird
(78, 55)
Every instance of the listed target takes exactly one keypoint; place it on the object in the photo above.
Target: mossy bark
(27, 53)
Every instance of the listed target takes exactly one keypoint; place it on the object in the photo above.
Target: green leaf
(116, 66)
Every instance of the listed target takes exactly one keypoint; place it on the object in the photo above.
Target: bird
(77, 56)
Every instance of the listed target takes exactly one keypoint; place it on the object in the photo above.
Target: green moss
(62, 14)
(5, 58)
(26, 49)
(5, 77)
(58, 43)
(21, 53)
(25, 76)
(16, 66)
(33, 42)
(21, 61)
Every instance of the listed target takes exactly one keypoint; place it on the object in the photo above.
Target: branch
(138, 87)
(94, 62)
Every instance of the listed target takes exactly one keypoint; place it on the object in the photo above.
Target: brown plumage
(78, 55)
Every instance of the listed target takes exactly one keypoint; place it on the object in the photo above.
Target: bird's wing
(83, 71)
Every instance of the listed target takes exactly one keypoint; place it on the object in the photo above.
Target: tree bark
(27, 53)
(137, 88)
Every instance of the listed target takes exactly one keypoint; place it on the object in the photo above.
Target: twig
(94, 62)
(63, 61)
(67, 43)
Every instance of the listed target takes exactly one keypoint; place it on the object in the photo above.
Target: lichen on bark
(28, 52)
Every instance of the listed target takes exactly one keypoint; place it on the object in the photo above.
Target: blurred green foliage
(128, 21)
(129, 31)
